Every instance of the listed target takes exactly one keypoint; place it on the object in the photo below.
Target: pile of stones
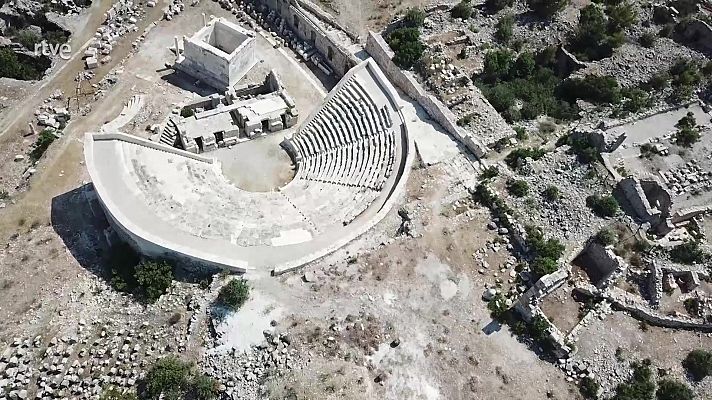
(120, 20)
(689, 178)
(241, 374)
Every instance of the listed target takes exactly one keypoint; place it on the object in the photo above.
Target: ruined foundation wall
(635, 195)
(379, 50)
(304, 19)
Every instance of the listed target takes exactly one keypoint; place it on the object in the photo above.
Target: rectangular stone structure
(219, 54)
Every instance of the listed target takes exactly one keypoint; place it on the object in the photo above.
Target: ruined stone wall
(379, 50)
(634, 193)
(310, 23)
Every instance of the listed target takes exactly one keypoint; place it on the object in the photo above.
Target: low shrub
(234, 294)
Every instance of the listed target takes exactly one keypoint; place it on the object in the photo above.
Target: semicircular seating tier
(352, 157)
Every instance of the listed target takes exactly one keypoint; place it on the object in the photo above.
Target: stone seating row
(366, 163)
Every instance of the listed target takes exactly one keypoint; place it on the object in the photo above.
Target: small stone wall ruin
(377, 48)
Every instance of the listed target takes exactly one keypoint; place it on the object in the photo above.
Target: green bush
(516, 156)
(541, 247)
(498, 307)
(16, 66)
(541, 266)
(688, 133)
(603, 206)
(589, 388)
(172, 379)
(640, 386)
(621, 15)
(462, 10)
(414, 18)
(234, 294)
(44, 140)
(539, 328)
(669, 389)
(551, 194)
(153, 278)
(592, 88)
(146, 280)
(406, 44)
(547, 8)
(28, 39)
(606, 237)
(506, 79)
(518, 188)
(597, 35)
(689, 252)
(647, 39)
(685, 74)
(505, 28)
(187, 112)
(698, 364)
(490, 172)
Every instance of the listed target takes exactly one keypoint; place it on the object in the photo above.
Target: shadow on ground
(79, 220)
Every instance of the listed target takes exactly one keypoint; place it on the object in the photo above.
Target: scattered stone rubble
(241, 374)
(121, 19)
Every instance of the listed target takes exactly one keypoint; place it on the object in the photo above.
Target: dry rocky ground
(388, 316)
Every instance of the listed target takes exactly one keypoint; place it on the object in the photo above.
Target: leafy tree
(547, 8)
(524, 66)
(592, 88)
(589, 388)
(27, 39)
(551, 193)
(635, 99)
(518, 188)
(407, 46)
(603, 206)
(689, 252)
(606, 237)
(669, 389)
(414, 18)
(153, 279)
(44, 140)
(698, 364)
(234, 294)
(20, 66)
(505, 27)
(497, 65)
(620, 16)
(598, 33)
(462, 10)
(688, 133)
